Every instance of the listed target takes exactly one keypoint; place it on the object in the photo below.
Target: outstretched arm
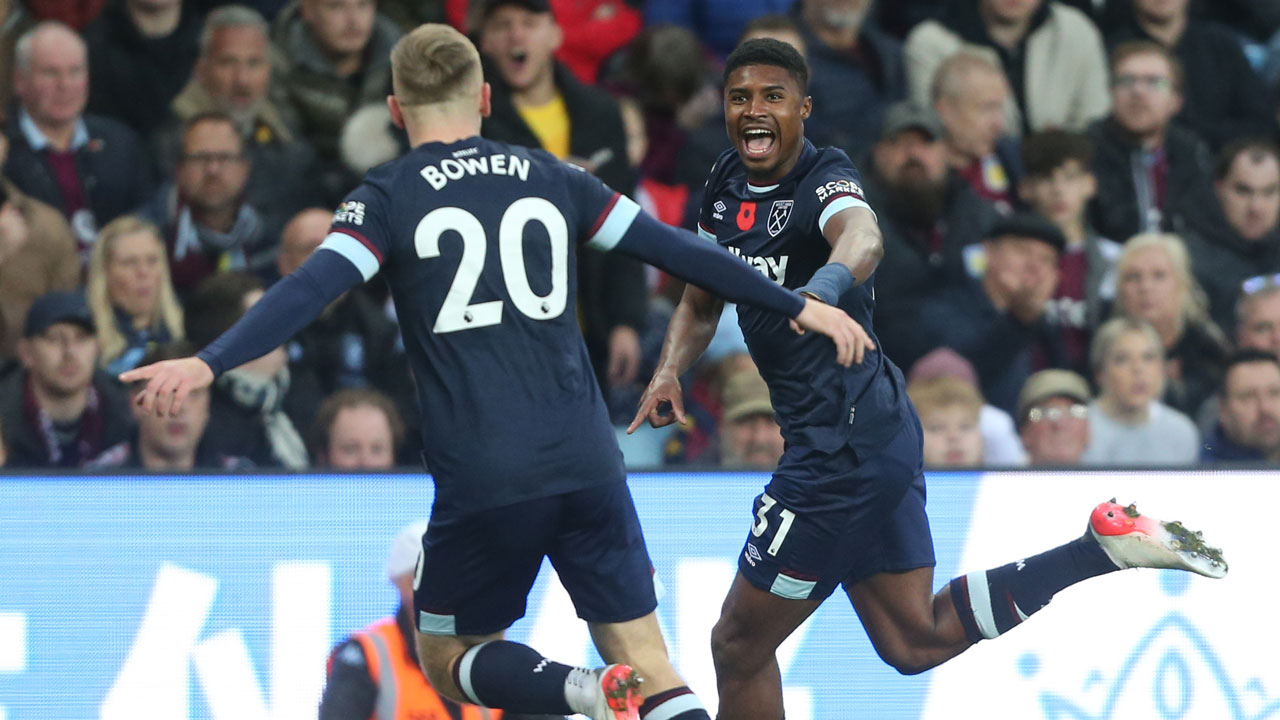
(288, 306)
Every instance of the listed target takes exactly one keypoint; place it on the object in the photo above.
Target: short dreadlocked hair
(767, 51)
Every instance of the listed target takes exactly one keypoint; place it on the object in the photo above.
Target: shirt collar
(37, 139)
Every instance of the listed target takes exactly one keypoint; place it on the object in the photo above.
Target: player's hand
(851, 339)
(168, 384)
(624, 356)
(663, 388)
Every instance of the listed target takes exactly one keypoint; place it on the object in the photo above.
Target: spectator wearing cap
(1128, 425)
(1154, 284)
(969, 93)
(233, 75)
(538, 103)
(1053, 418)
(1235, 234)
(339, 58)
(999, 322)
(856, 72)
(927, 215)
(1051, 54)
(37, 255)
(1225, 97)
(91, 168)
(375, 671)
(1058, 183)
(749, 434)
(1248, 427)
(141, 53)
(1000, 444)
(1147, 166)
(357, 430)
(176, 443)
(949, 409)
(58, 411)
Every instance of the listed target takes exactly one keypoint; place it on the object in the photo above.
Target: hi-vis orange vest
(403, 691)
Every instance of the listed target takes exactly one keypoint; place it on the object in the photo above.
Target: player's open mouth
(758, 142)
(519, 57)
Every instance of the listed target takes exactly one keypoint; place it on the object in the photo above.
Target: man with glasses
(1145, 165)
(208, 224)
(1225, 97)
(1236, 235)
(1053, 418)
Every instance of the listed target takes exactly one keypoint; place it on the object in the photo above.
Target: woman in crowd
(1155, 285)
(133, 302)
(1128, 425)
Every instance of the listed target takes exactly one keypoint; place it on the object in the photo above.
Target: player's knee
(733, 651)
(906, 658)
(437, 664)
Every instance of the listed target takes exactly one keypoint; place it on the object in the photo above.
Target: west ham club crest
(779, 214)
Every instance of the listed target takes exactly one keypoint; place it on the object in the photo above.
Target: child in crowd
(948, 409)
(1058, 184)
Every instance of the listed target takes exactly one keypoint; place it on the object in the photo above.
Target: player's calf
(514, 677)
(992, 602)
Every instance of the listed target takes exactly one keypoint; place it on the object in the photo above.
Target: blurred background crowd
(1080, 202)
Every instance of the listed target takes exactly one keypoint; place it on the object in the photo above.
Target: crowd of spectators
(1080, 203)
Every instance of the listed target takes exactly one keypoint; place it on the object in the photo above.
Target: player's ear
(806, 107)
(397, 116)
(486, 100)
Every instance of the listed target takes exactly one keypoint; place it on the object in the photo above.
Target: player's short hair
(231, 16)
(1046, 151)
(433, 64)
(351, 398)
(767, 51)
(1256, 148)
(1132, 48)
(948, 79)
(1243, 357)
(942, 392)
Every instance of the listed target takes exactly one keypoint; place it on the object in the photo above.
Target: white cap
(403, 559)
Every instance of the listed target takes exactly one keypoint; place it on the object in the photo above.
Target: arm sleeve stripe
(615, 225)
(604, 215)
(356, 252)
(363, 241)
(706, 234)
(843, 202)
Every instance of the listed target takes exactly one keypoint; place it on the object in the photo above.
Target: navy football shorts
(476, 570)
(804, 555)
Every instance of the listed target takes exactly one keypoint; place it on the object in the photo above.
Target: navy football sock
(515, 677)
(674, 704)
(992, 602)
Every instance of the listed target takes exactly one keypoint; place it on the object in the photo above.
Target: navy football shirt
(478, 242)
(778, 229)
